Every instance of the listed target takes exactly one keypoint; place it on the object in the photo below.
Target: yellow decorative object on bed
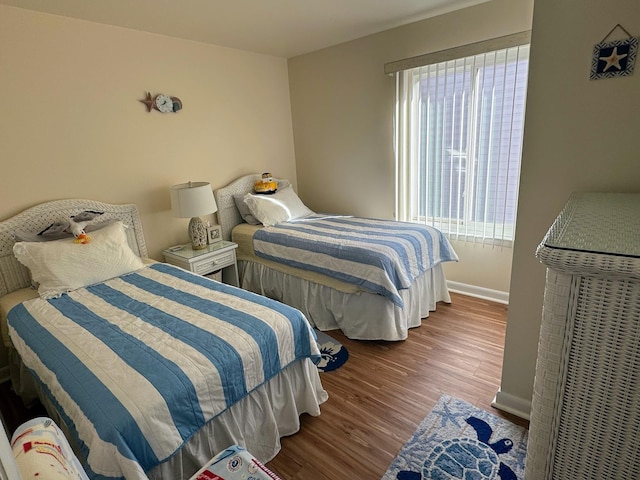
(266, 184)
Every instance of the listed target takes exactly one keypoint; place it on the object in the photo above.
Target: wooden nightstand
(217, 256)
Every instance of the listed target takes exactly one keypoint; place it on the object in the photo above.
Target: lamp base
(197, 233)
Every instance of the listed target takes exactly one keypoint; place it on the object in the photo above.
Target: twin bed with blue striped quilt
(137, 364)
(381, 256)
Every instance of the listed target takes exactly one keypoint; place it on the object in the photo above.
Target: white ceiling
(284, 28)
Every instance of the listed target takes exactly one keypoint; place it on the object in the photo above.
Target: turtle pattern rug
(459, 441)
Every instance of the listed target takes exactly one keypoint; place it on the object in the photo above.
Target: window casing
(459, 128)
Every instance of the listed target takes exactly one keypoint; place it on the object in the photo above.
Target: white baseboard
(479, 292)
(512, 404)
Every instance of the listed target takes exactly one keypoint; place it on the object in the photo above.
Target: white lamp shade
(192, 199)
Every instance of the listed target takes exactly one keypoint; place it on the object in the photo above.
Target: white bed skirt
(257, 422)
(360, 316)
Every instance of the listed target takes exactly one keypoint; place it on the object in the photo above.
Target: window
(459, 128)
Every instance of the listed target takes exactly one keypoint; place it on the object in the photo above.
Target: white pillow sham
(282, 206)
(61, 266)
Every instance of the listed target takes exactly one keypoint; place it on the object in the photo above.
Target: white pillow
(282, 206)
(61, 266)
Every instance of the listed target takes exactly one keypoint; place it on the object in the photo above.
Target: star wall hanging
(614, 58)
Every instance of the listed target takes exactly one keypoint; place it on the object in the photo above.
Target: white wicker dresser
(585, 417)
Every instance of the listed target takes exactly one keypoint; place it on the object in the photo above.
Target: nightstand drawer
(215, 257)
(211, 264)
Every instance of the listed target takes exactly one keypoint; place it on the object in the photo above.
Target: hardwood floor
(378, 398)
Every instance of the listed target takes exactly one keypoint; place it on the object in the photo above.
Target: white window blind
(459, 127)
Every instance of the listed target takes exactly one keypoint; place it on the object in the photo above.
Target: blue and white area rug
(334, 354)
(459, 441)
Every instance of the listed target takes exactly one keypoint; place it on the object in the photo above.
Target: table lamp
(191, 200)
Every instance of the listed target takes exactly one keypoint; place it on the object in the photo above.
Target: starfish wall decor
(162, 103)
(148, 102)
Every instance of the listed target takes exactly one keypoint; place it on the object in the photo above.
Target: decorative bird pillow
(74, 225)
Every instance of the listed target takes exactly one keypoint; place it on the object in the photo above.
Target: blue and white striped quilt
(382, 256)
(139, 363)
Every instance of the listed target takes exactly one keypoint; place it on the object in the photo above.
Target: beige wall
(72, 125)
(342, 107)
(580, 135)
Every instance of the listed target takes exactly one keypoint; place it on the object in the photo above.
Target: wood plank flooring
(378, 398)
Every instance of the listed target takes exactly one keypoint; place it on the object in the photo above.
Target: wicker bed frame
(234, 425)
(14, 275)
(361, 315)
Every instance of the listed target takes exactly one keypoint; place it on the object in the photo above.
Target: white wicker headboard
(228, 214)
(13, 275)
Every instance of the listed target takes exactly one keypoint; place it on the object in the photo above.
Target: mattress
(242, 234)
(7, 302)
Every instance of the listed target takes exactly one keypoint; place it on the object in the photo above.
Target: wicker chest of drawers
(586, 402)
